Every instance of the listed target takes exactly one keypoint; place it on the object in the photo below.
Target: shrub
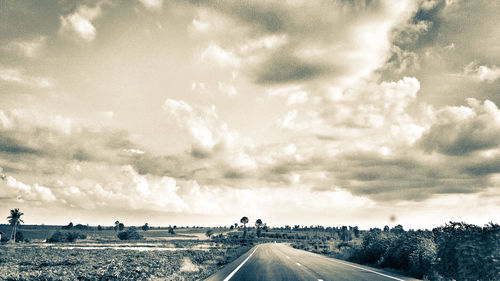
(468, 252)
(411, 252)
(129, 234)
(20, 237)
(60, 236)
(375, 244)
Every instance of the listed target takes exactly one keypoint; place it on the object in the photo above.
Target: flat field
(77, 261)
(159, 255)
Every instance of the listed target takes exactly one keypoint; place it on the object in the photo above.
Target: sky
(365, 113)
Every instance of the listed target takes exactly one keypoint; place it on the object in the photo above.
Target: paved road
(277, 262)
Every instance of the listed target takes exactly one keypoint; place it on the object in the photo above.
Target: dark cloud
(233, 174)
(386, 178)
(327, 26)
(281, 69)
(431, 16)
(482, 168)
(200, 153)
(159, 165)
(12, 146)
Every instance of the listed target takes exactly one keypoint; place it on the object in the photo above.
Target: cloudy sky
(296, 112)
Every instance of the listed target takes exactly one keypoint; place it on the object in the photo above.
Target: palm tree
(244, 221)
(258, 224)
(15, 220)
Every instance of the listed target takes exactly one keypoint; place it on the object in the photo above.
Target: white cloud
(297, 97)
(12, 188)
(482, 72)
(17, 76)
(227, 89)
(152, 4)
(219, 56)
(295, 94)
(201, 123)
(80, 23)
(134, 151)
(31, 48)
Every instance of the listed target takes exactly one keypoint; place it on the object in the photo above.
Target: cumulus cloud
(81, 22)
(13, 189)
(202, 123)
(465, 129)
(219, 56)
(482, 72)
(226, 152)
(277, 43)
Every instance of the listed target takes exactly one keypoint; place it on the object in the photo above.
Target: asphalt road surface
(277, 262)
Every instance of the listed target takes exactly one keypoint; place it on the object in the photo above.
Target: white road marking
(298, 264)
(239, 266)
(365, 269)
(320, 279)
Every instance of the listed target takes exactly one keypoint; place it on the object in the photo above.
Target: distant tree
(235, 225)
(209, 233)
(398, 229)
(145, 227)
(69, 226)
(117, 223)
(345, 234)
(171, 230)
(258, 224)
(121, 226)
(386, 228)
(231, 227)
(265, 228)
(356, 231)
(82, 227)
(15, 220)
(244, 221)
(99, 227)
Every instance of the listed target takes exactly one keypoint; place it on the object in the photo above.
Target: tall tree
(244, 221)
(258, 224)
(117, 224)
(15, 220)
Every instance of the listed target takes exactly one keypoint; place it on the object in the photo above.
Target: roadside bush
(375, 244)
(410, 252)
(60, 236)
(129, 234)
(468, 252)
